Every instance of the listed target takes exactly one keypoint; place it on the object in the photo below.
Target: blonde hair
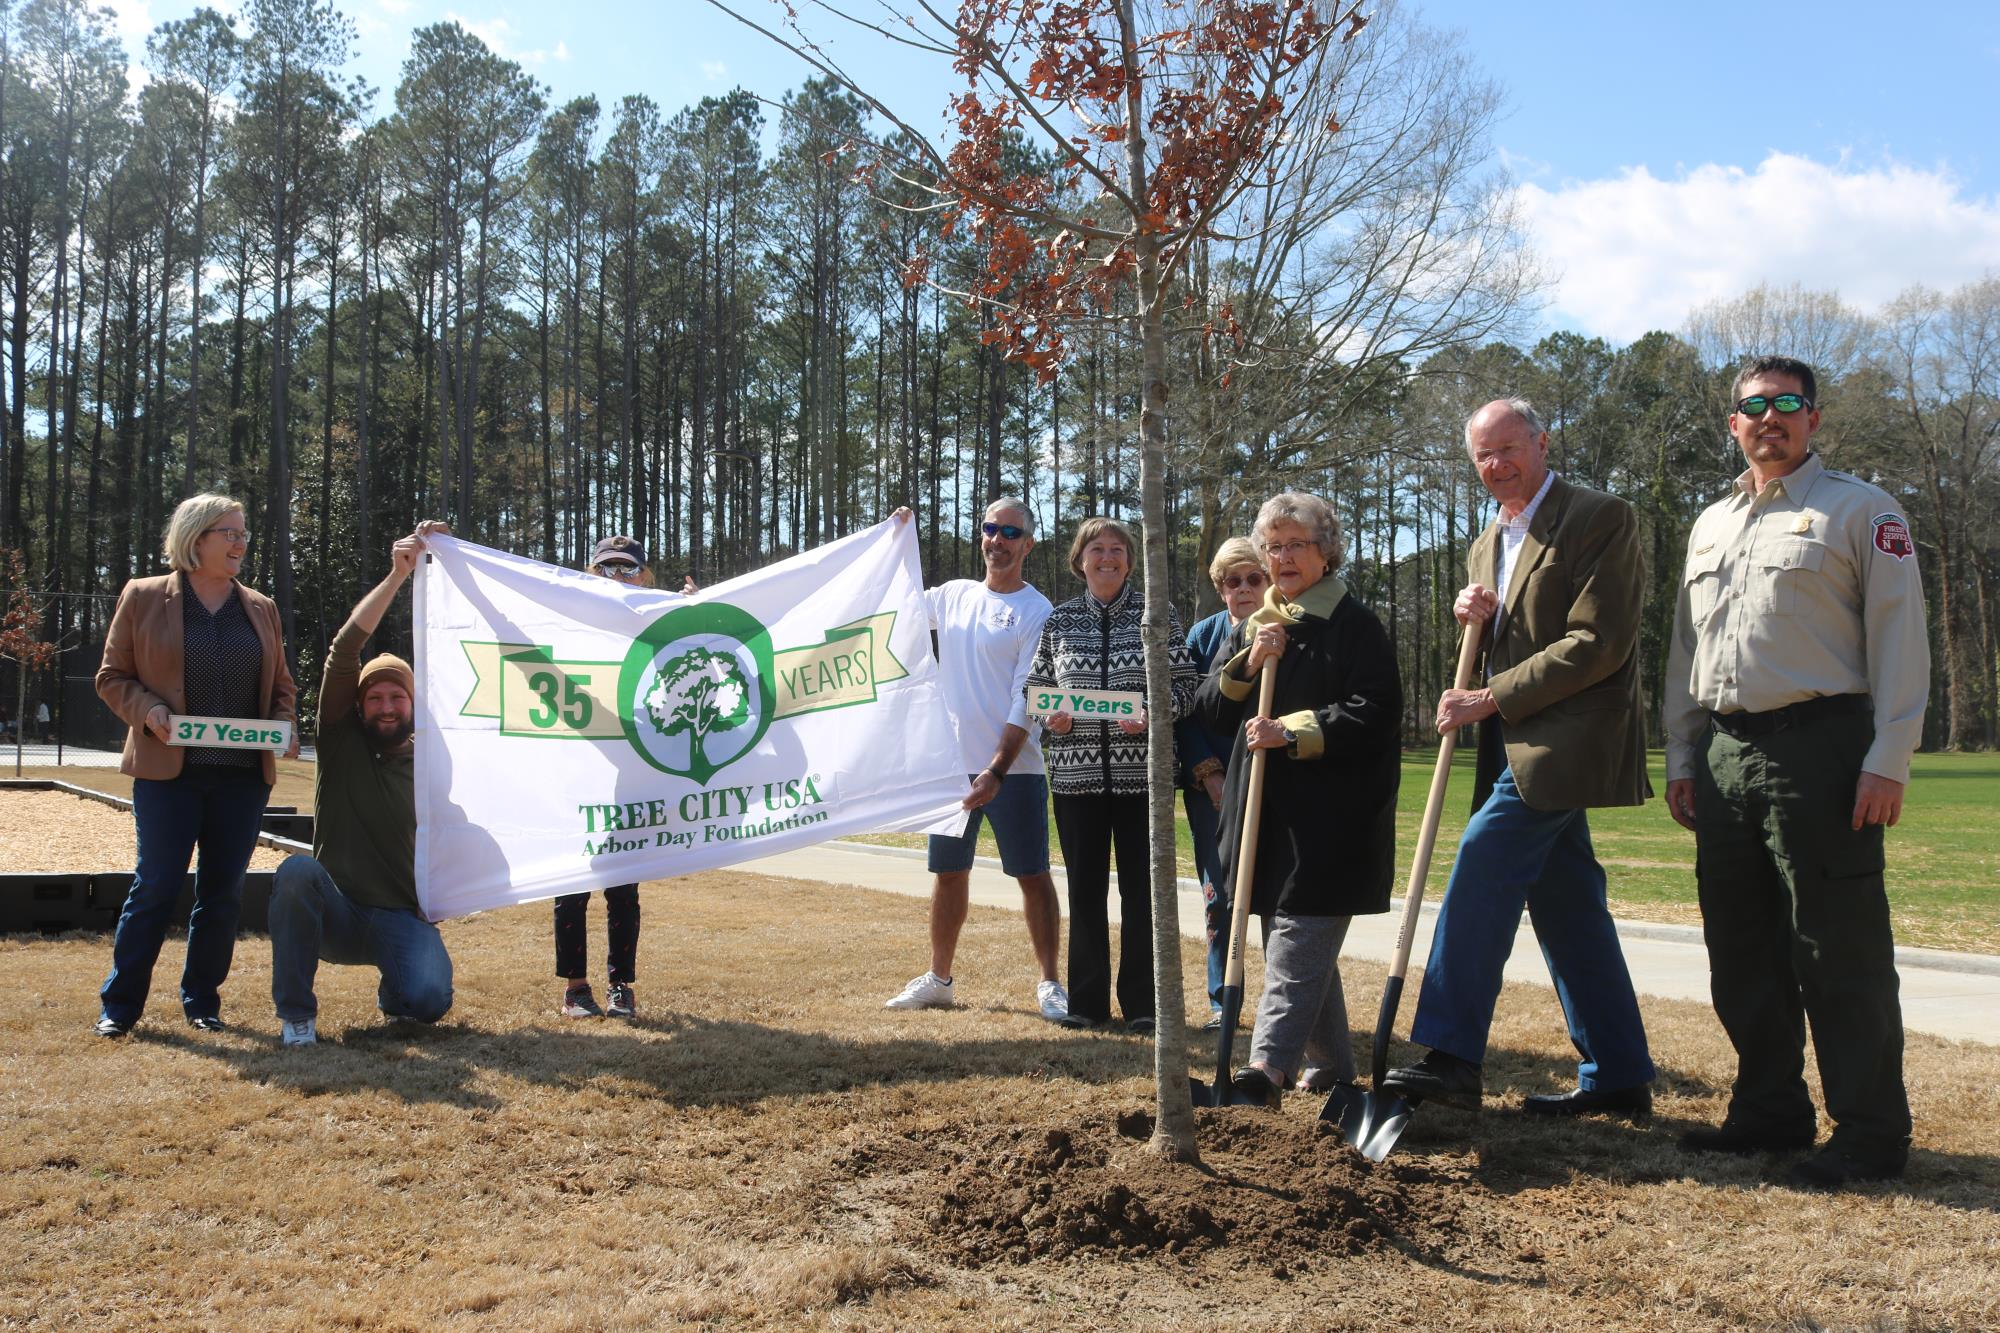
(192, 519)
(1236, 551)
(1090, 530)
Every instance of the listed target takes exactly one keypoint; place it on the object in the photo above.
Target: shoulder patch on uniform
(1892, 536)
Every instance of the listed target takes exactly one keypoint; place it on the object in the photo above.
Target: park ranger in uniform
(1795, 696)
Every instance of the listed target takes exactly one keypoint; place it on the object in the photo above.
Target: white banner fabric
(573, 733)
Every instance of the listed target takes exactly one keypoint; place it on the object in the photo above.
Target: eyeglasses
(1291, 550)
(1254, 579)
(1011, 531)
(619, 571)
(230, 535)
(1787, 403)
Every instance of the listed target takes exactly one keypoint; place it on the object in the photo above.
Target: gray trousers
(1302, 1015)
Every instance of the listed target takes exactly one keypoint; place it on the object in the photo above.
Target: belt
(1745, 725)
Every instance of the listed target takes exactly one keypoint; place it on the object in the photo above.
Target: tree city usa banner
(574, 733)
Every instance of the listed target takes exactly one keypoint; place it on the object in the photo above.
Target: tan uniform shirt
(1808, 587)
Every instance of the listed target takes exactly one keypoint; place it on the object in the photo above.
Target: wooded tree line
(545, 322)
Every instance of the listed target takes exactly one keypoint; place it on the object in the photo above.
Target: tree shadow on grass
(684, 1060)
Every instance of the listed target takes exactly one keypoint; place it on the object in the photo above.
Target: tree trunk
(1173, 1130)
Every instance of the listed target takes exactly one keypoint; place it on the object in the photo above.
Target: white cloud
(398, 7)
(714, 71)
(562, 51)
(495, 32)
(1636, 253)
(132, 20)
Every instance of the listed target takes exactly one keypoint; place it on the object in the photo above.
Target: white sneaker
(928, 991)
(302, 1033)
(1053, 999)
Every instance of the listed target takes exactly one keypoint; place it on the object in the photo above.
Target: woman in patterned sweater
(1097, 773)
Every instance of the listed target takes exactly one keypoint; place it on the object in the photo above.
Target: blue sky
(1665, 155)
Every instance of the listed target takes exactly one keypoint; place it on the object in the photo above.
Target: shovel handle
(1245, 877)
(1420, 865)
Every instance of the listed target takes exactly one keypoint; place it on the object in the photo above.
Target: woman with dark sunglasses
(1240, 580)
(1097, 772)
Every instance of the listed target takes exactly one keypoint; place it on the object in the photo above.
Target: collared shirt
(1513, 532)
(222, 661)
(1808, 587)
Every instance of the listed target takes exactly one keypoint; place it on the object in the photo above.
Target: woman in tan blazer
(194, 641)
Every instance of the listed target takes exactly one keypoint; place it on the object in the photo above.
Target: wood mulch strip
(53, 832)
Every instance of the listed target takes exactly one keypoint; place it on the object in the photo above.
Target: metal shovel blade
(1371, 1121)
(1223, 1092)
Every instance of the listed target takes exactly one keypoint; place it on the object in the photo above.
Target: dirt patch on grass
(56, 833)
(1283, 1188)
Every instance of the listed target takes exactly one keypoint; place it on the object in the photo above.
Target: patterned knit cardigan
(1092, 645)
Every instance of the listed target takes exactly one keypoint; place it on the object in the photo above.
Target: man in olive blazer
(1556, 588)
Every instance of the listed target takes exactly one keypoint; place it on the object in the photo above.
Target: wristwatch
(1291, 744)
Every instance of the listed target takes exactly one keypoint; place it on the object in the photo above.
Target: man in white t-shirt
(987, 631)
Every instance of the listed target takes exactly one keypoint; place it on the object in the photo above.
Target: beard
(390, 732)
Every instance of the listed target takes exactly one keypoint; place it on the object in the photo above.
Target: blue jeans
(1513, 855)
(1203, 821)
(218, 809)
(313, 921)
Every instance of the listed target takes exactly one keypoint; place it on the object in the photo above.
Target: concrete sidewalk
(1944, 994)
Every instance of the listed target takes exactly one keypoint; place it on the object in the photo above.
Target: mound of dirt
(1282, 1190)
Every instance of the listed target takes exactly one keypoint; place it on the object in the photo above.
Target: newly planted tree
(1155, 118)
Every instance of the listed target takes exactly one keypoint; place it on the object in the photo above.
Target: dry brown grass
(763, 1149)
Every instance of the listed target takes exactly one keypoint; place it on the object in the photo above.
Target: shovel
(1225, 1093)
(1373, 1119)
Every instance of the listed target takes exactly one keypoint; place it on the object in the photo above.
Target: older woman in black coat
(1326, 839)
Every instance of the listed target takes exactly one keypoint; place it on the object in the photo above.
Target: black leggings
(621, 919)
(1090, 828)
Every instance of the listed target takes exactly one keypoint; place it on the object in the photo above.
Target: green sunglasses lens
(1787, 403)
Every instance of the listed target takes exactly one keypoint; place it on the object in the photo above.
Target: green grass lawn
(1944, 857)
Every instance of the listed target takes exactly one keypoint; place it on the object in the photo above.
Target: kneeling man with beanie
(354, 900)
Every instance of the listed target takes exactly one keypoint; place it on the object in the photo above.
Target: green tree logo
(696, 689)
(699, 692)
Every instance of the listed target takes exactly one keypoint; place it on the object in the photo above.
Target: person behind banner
(354, 900)
(624, 560)
(1326, 833)
(1097, 768)
(1240, 581)
(193, 641)
(987, 630)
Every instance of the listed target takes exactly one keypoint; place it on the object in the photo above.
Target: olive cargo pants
(1797, 925)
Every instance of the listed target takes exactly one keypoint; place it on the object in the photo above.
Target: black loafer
(1142, 1027)
(1744, 1140)
(111, 1027)
(1837, 1168)
(1635, 1103)
(1076, 1022)
(1438, 1077)
(1257, 1086)
(207, 1023)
